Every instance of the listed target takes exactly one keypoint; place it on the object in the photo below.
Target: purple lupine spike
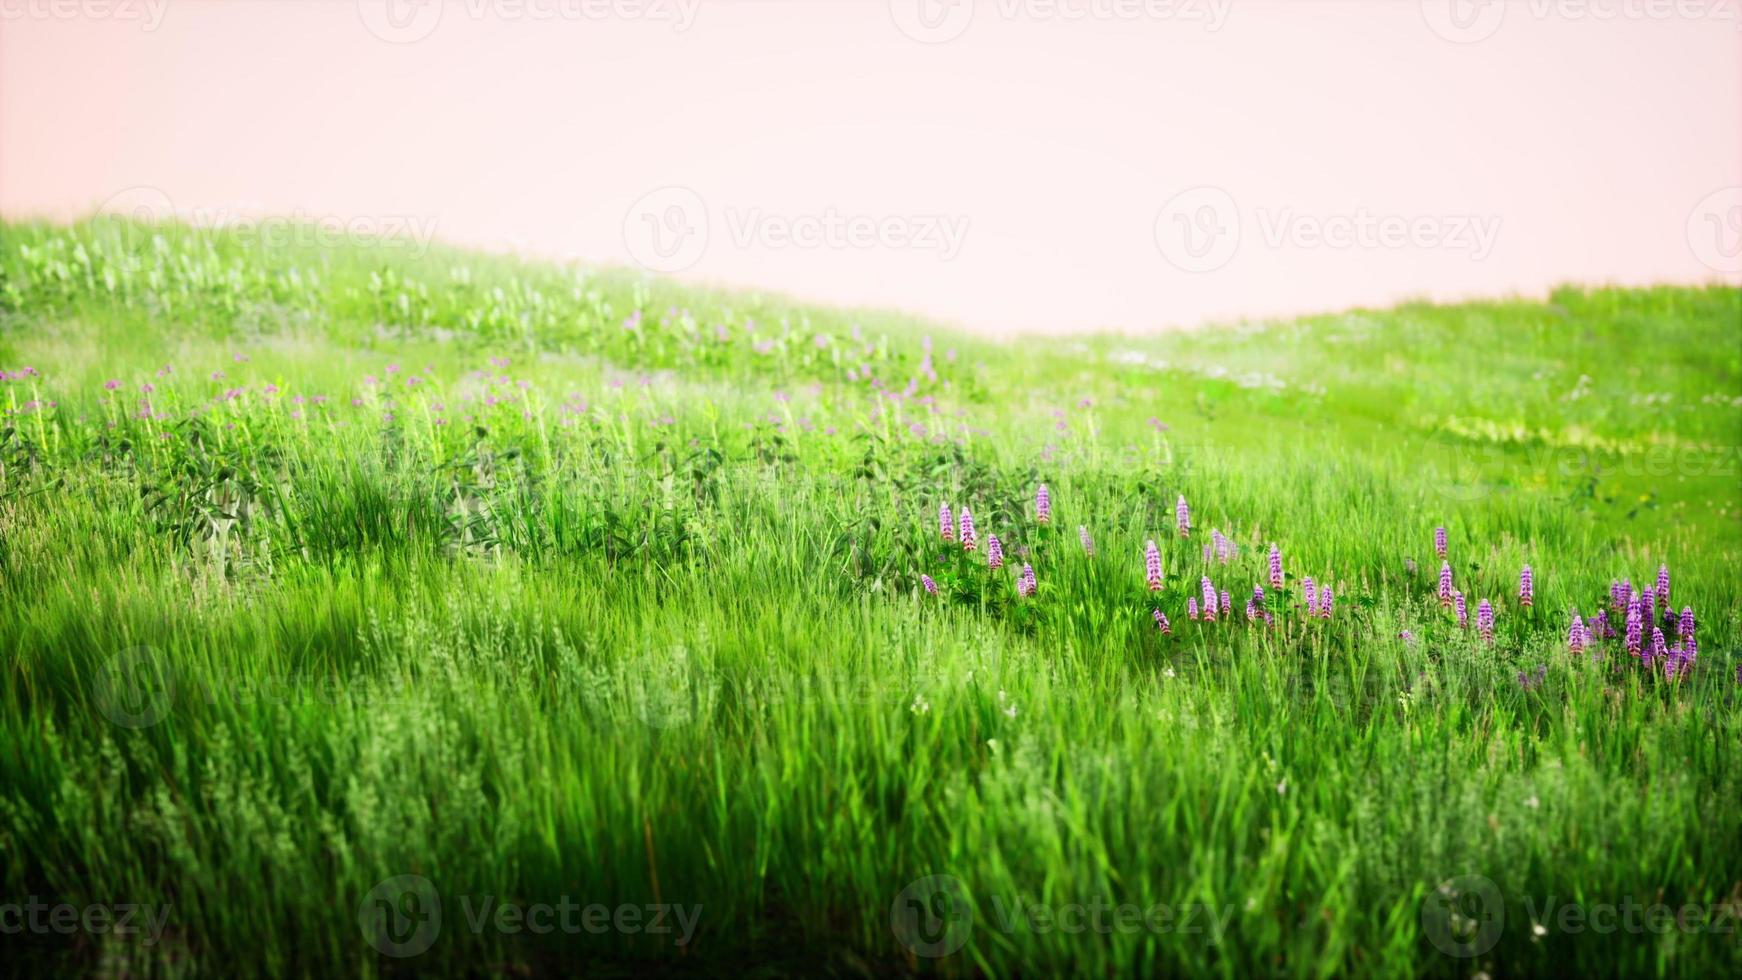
(1526, 588)
(1027, 586)
(994, 552)
(1463, 611)
(1663, 585)
(1600, 628)
(946, 522)
(1206, 552)
(1685, 628)
(1440, 543)
(1227, 603)
(1088, 542)
(1445, 583)
(1648, 606)
(931, 587)
(1275, 567)
(1251, 611)
(1161, 621)
(1311, 592)
(1576, 634)
(1042, 505)
(1615, 601)
(1192, 608)
(1659, 648)
(1327, 602)
(1182, 515)
(970, 540)
(1224, 547)
(1209, 600)
(1485, 621)
(1635, 631)
(1407, 637)
(1152, 566)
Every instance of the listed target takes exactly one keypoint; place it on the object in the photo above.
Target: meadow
(384, 613)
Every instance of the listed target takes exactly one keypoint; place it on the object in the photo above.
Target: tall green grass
(619, 603)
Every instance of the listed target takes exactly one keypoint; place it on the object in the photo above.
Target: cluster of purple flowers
(1042, 505)
(1275, 567)
(1183, 517)
(1526, 588)
(1152, 566)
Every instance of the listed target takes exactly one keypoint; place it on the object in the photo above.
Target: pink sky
(1010, 165)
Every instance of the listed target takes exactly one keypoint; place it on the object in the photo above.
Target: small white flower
(1533, 803)
(1168, 673)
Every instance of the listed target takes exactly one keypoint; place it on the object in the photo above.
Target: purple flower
(1227, 603)
(1183, 517)
(994, 552)
(946, 523)
(1161, 621)
(1600, 628)
(1311, 592)
(1258, 596)
(1635, 629)
(1648, 606)
(1326, 602)
(1663, 585)
(1445, 583)
(970, 541)
(1526, 588)
(1440, 542)
(1463, 611)
(1275, 567)
(1576, 634)
(1088, 542)
(1485, 621)
(1042, 505)
(1025, 585)
(1685, 629)
(931, 587)
(1192, 608)
(1659, 648)
(1209, 600)
(111, 385)
(1251, 611)
(1224, 546)
(1529, 681)
(1407, 637)
(1152, 566)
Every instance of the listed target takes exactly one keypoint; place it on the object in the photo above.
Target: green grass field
(388, 614)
